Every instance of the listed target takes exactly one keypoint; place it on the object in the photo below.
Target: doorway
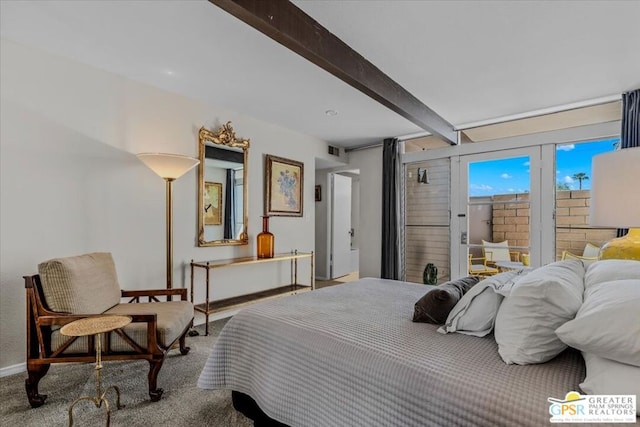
(337, 224)
(499, 208)
(344, 219)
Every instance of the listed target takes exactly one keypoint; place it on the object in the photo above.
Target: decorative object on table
(265, 240)
(430, 274)
(96, 325)
(212, 203)
(318, 193)
(222, 153)
(526, 260)
(169, 167)
(284, 183)
(615, 201)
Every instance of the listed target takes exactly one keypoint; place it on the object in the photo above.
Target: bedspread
(349, 355)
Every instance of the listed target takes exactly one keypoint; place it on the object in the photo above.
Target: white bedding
(350, 355)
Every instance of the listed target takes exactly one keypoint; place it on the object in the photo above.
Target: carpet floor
(182, 403)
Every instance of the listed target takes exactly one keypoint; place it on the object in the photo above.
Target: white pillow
(538, 304)
(608, 323)
(609, 270)
(476, 311)
(606, 376)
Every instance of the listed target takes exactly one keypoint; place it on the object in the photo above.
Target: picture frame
(318, 193)
(212, 203)
(284, 187)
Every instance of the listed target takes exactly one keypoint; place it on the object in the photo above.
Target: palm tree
(581, 176)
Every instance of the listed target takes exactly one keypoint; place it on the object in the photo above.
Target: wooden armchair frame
(40, 326)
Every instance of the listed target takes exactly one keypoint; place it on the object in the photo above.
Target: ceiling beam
(290, 26)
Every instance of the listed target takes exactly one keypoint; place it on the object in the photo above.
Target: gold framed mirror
(222, 187)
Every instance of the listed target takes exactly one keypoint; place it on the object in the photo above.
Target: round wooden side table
(96, 325)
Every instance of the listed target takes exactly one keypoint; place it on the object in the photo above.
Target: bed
(350, 355)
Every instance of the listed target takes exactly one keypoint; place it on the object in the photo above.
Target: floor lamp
(170, 167)
(615, 201)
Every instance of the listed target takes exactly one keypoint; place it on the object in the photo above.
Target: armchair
(494, 252)
(589, 254)
(480, 269)
(68, 289)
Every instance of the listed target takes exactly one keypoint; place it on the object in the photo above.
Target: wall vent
(335, 151)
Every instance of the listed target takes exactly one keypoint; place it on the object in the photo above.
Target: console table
(292, 288)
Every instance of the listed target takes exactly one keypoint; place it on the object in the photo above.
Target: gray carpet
(182, 403)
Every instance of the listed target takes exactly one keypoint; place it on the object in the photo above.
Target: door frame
(331, 228)
(460, 211)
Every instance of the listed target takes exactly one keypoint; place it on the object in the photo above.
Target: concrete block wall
(572, 223)
(511, 219)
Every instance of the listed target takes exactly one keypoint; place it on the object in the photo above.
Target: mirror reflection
(222, 201)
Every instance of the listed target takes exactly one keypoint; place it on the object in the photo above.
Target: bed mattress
(350, 355)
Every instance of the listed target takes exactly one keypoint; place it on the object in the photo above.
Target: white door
(340, 260)
(502, 187)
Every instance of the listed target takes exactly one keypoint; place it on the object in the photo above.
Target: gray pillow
(435, 305)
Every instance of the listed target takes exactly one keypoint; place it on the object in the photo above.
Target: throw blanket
(350, 355)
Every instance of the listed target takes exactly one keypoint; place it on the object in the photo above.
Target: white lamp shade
(168, 166)
(615, 189)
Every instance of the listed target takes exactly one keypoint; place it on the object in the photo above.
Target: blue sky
(511, 175)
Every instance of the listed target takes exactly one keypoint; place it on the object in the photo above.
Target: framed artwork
(318, 193)
(212, 203)
(284, 183)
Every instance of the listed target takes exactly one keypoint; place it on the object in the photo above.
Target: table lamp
(615, 200)
(170, 167)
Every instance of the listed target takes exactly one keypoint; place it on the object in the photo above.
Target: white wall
(70, 182)
(369, 162)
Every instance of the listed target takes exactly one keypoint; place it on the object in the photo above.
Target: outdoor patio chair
(478, 267)
(589, 253)
(495, 252)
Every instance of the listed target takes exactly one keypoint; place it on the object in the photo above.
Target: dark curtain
(390, 266)
(229, 205)
(630, 132)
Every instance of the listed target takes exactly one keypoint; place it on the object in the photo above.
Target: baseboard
(14, 369)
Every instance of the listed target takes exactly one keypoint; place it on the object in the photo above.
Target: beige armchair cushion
(173, 319)
(84, 284)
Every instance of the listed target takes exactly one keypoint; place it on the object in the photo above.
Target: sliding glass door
(498, 210)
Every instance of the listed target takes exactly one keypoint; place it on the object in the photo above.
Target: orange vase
(266, 241)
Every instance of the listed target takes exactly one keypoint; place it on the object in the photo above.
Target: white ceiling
(469, 61)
